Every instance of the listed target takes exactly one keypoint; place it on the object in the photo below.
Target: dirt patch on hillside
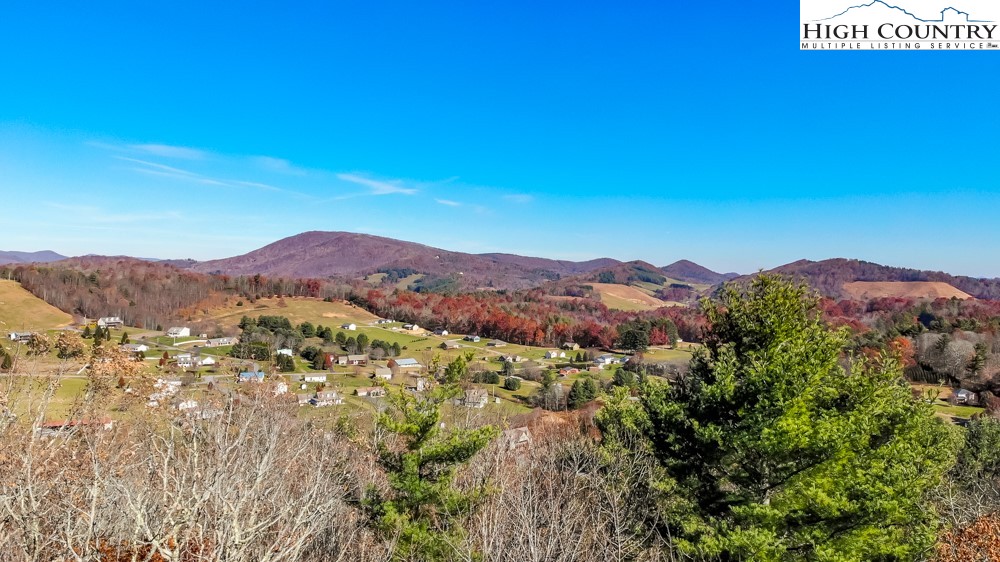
(862, 290)
(625, 297)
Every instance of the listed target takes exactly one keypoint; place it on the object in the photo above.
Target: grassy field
(30, 393)
(957, 411)
(20, 310)
(297, 310)
(665, 355)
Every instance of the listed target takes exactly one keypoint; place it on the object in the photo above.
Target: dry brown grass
(863, 290)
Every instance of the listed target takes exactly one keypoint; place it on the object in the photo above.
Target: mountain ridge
(42, 256)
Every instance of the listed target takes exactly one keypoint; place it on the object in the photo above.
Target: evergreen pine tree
(769, 451)
(423, 508)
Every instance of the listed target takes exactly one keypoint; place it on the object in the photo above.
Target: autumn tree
(768, 450)
(39, 344)
(69, 345)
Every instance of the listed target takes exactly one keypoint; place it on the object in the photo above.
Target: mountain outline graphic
(873, 2)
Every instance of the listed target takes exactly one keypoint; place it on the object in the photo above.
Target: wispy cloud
(449, 202)
(519, 198)
(158, 166)
(168, 151)
(162, 170)
(379, 187)
(278, 165)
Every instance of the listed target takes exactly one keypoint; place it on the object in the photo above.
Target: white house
(555, 354)
(606, 359)
(284, 351)
(206, 361)
(384, 373)
(134, 347)
(474, 339)
(411, 327)
(350, 327)
(21, 337)
(440, 332)
(314, 378)
(179, 332)
(327, 398)
(110, 322)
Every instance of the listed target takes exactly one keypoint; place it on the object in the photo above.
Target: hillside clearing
(20, 310)
(296, 309)
(624, 297)
(863, 290)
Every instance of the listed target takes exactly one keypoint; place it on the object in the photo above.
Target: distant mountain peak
(43, 256)
(688, 271)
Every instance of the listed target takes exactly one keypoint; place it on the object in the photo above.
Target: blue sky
(560, 129)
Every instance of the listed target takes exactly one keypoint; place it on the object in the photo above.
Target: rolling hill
(21, 310)
(43, 256)
(829, 277)
(687, 271)
(345, 254)
(639, 285)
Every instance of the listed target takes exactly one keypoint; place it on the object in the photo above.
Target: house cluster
(383, 321)
(555, 354)
(187, 360)
(20, 337)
